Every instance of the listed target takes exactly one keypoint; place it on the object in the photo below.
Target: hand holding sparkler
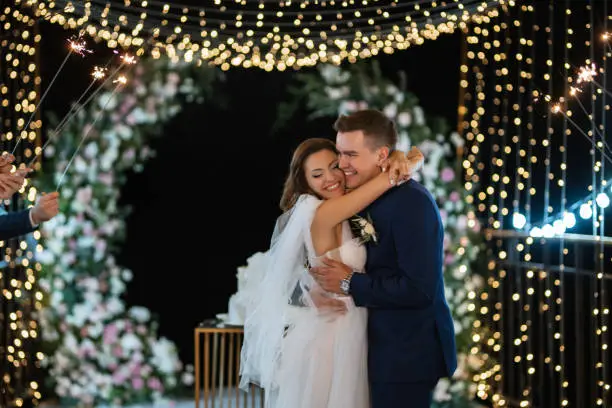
(6, 162)
(10, 180)
(46, 207)
(10, 183)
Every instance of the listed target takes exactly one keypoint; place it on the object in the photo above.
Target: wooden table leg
(197, 368)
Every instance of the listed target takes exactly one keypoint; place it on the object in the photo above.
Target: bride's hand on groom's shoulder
(399, 167)
(415, 159)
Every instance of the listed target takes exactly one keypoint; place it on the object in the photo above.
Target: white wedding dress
(320, 359)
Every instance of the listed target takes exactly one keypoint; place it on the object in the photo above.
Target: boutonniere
(364, 228)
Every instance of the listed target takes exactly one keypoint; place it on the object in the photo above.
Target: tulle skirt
(324, 361)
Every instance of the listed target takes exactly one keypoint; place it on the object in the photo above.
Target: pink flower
(449, 259)
(100, 245)
(454, 196)
(84, 195)
(137, 383)
(117, 352)
(119, 377)
(88, 230)
(110, 334)
(447, 174)
(83, 331)
(105, 178)
(127, 104)
(154, 384)
(443, 215)
(129, 154)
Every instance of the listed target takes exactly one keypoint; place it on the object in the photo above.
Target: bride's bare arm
(333, 211)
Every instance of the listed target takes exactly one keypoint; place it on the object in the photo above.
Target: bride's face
(323, 175)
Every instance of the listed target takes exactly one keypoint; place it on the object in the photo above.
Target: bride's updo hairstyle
(296, 184)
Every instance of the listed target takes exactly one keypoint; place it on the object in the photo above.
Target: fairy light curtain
(267, 34)
(537, 168)
(20, 297)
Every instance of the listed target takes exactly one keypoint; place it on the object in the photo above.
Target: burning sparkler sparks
(586, 74)
(98, 73)
(122, 80)
(128, 59)
(78, 46)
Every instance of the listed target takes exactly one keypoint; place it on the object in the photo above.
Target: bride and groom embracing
(351, 311)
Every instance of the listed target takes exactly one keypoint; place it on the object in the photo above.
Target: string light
(19, 292)
(600, 270)
(534, 347)
(269, 35)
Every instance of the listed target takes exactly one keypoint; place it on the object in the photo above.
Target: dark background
(209, 199)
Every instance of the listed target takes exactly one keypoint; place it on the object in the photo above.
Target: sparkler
(556, 108)
(77, 46)
(97, 74)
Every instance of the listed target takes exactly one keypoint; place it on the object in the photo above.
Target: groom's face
(359, 161)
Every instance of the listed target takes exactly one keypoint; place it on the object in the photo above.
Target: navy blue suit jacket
(15, 224)
(411, 334)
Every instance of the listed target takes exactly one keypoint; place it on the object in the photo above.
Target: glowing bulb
(518, 220)
(603, 200)
(535, 232)
(548, 231)
(586, 211)
(569, 219)
(559, 227)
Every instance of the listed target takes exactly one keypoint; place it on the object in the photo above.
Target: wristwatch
(345, 284)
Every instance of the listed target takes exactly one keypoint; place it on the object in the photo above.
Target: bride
(307, 348)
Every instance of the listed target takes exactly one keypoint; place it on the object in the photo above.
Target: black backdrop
(209, 199)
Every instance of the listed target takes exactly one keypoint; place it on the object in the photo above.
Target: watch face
(344, 286)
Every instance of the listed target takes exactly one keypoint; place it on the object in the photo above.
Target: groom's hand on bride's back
(330, 274)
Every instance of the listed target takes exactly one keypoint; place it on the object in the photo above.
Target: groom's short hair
(378, 129)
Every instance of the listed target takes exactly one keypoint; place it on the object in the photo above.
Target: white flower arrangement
(101, 351)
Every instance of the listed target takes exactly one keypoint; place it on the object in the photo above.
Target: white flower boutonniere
(364, 228)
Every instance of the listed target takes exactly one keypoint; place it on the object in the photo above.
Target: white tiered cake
(247, 278)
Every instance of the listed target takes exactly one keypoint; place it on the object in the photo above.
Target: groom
(411, 337)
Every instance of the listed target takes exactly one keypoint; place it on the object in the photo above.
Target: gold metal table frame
(217, 368)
